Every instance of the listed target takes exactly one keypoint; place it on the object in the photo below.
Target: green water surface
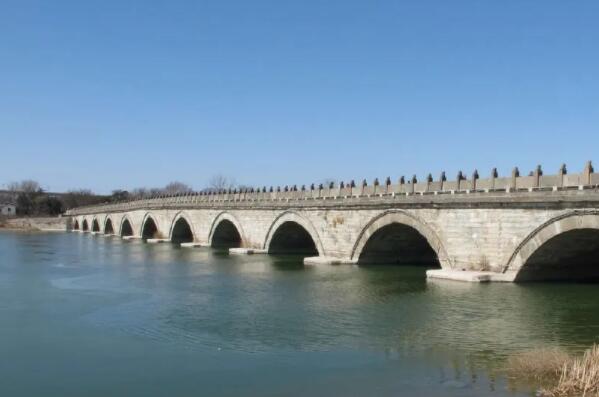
(84, 315)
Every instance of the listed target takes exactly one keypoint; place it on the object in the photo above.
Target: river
(86, 315)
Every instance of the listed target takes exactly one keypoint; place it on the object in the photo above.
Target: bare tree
(177, 188)
(27, 194)
(220, 182)
(25, 186)
(155, 191)
(119, 195)
(139, 193)
(81, 197)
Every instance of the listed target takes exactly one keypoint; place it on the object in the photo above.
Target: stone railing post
(560, 174)
(442, 180)
(413, 182)
(515, 175)
(494, 176)
(586, 174)
(474, 179)
(459, 179)
(402, 182)
(429, 180)
(537, 176)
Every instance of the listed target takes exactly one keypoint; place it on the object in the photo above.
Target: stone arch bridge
(514, 228)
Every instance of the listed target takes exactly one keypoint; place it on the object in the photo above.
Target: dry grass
(578, 376)
(540, 364)
(561, 374)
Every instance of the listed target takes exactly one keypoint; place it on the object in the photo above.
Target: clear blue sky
(120, 94)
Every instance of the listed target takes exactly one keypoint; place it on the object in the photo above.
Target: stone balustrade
(535, 181)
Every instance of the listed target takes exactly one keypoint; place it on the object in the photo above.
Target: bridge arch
(291, 232)
(85, 225)
(126, 228)
(226, 232)
(181, 229)
(563, 248)
(394, 230)
(76, 224)
(95, 225)
(149, 227)
(108, 226)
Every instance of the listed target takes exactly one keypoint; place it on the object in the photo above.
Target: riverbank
(44, 224)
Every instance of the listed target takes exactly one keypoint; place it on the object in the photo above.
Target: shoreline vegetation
(34, 224)
(31, 200)
(557, 373)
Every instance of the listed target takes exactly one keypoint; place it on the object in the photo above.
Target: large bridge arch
(76, 224)
(181, 229)
(232, 225)
(85, 225)
(291, 218)
(558, 249)
(410, 223)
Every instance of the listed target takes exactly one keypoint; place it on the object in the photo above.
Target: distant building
(8, 209)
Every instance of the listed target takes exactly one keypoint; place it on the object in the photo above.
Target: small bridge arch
(181, 229)
(226, 232)
(149, 227)
(95, 225)
(126, 228)
(292, 233)
(108, 226)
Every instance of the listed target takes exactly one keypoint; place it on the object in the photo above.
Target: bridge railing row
(534, 181)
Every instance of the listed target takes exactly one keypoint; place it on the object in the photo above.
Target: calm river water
(86, 315)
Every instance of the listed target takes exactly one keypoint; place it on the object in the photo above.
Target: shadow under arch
(292, 233)
(226, 232)
(565, 248)
(126, 228)
(149, 227)
(85, 225)
(399, 237)
(76, 225)
(181, 230)
(108, 226)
